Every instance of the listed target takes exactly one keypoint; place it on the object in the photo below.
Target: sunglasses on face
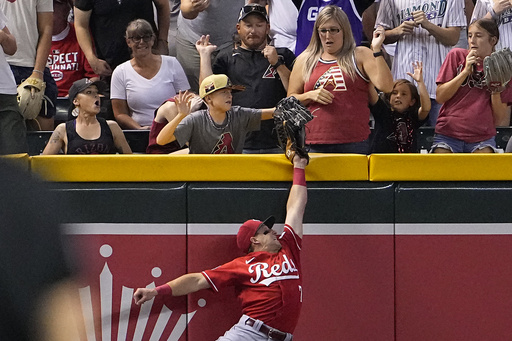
(323, 31)
(137, 39)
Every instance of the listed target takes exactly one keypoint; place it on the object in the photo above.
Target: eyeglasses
(146, 38)
(333, 31)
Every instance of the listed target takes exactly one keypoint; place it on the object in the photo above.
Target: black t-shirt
(394, 133)
(108, 23)
(102, 145)
(264, 87)
(31, 255)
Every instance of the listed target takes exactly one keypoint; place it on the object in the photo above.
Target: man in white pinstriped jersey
(425, 31)
(501, 12)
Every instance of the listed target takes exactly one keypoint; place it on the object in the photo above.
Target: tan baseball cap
(213, 83)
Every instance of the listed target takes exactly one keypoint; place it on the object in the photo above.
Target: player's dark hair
(490, 26)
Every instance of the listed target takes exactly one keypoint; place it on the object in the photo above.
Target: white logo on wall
(107, 304)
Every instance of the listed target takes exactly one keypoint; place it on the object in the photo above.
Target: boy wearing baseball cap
(219, 129)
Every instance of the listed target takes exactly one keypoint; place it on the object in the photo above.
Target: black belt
(273, 334)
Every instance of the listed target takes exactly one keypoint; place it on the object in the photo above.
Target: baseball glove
(498, 69)
(30, 97)
(290, 118)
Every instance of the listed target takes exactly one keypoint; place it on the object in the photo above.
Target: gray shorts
(243, 332)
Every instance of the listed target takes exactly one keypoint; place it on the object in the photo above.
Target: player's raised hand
(270, 53)
(203, 45)
(418, 71)
(299, 162)
(142, 295)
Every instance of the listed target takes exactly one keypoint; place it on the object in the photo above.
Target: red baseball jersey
(269, 285)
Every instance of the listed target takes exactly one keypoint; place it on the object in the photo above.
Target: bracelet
(37, 71)
(378, 54)
(278, 64)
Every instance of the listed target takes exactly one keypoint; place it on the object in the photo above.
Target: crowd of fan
(204, 76)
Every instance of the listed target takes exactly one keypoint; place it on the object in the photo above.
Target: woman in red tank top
(332, 78)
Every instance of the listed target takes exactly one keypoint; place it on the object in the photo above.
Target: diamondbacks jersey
(269, 285)
(207, 137)
(420, 45)
(263, 86)
(504, 22)
(308, 13)
(346, 119)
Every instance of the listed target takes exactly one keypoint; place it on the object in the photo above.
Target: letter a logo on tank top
(332, 79)
(224, 145)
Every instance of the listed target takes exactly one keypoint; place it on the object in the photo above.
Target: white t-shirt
(144, 95)
(7, 82)
(23, 25)
(283, 23)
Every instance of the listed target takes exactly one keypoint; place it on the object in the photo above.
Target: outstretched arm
(180, 286)
(298, 197)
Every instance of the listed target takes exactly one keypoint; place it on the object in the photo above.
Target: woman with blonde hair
(332, 78)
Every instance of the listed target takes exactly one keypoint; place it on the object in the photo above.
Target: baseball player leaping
(268, 279)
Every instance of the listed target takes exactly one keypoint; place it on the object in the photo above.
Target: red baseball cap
(248, 230)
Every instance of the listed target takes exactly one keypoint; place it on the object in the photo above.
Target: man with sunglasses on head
(263, 69)
(268, 280)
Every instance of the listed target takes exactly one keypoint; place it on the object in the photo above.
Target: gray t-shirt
(218, 20)
(206, 137)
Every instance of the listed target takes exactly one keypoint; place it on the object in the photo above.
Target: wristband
(299, 177)
(279, 63)
(377, 54)
(164, 290)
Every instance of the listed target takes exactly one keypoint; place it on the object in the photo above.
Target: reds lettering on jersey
(269, 285)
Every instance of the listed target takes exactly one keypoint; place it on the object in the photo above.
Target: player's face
(401, 98)
(253, 31)
(221, 99)
(268, 239)
(331, 36)
(88, 100)
(480, 41)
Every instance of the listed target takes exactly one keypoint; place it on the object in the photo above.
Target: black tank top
(102, 145)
